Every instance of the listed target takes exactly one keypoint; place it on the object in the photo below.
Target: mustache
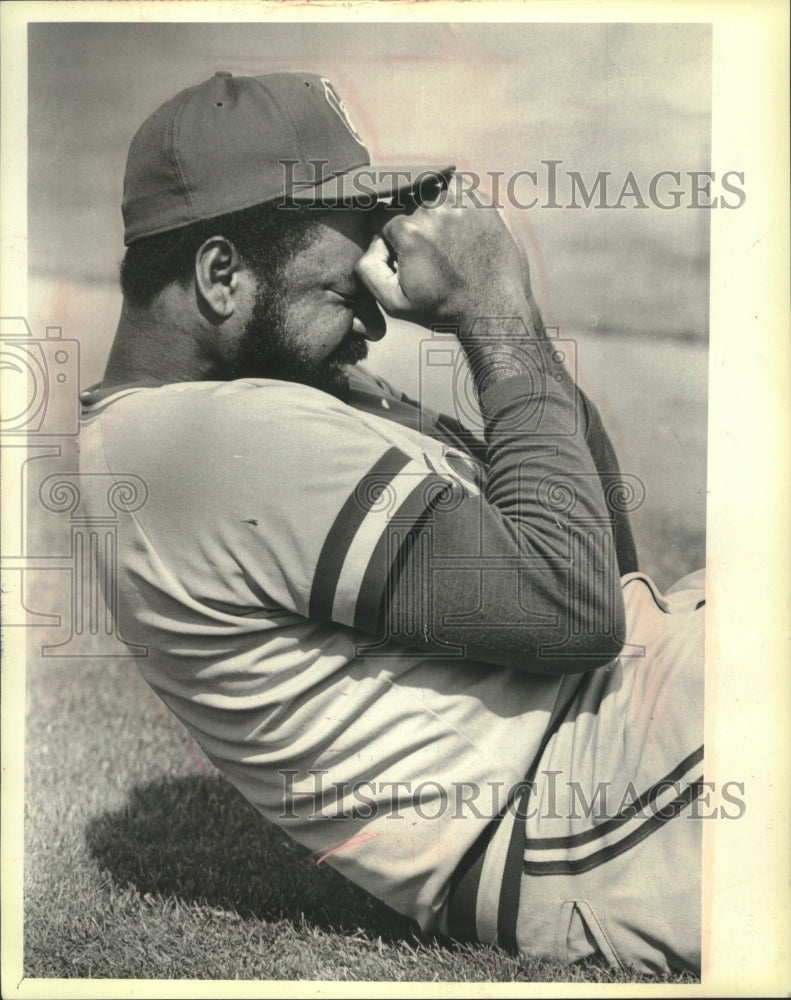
(351, 350)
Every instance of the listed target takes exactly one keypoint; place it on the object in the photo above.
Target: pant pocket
(580, 934)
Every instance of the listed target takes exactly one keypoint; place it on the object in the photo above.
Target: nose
(368, 320)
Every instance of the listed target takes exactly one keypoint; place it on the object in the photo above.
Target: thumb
(376, 272)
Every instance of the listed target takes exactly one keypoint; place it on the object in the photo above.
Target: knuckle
(411, 228)
(394, 227)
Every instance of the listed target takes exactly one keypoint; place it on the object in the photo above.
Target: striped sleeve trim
(389, 546)
(354, 563)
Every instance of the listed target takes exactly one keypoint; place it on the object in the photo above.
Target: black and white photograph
(394, 438)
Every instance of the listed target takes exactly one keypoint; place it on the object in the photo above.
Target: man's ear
(218, 268)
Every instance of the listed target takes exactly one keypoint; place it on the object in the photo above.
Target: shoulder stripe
(388, 548)
(409, 490)
(344, 528)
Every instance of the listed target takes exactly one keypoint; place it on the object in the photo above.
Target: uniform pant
(601, 853)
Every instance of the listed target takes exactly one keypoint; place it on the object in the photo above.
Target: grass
(140, 862)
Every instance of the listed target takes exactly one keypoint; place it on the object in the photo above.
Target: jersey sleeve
(356, 554)
(325, 487)
(353, 523)
(527, 576)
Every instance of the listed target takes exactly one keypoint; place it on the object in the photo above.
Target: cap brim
(370, 185)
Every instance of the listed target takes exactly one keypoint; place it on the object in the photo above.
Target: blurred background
(629, 286)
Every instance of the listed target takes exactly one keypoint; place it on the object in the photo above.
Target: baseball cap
(238, 141)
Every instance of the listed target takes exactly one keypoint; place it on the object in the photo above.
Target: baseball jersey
(255, 574)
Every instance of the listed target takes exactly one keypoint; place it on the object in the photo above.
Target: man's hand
(448, 261)
(457, 263)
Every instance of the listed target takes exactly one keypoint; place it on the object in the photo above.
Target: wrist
(495, 313)
(499, 337)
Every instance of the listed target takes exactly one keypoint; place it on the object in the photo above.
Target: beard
(267, 350)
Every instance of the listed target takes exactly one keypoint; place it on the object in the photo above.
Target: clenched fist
(450, 260)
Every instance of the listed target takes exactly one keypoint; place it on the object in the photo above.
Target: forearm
(525, 575)
(602, 452)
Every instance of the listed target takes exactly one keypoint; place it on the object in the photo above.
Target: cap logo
(339, 108)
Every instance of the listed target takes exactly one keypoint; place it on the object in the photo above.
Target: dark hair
(266, 236)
